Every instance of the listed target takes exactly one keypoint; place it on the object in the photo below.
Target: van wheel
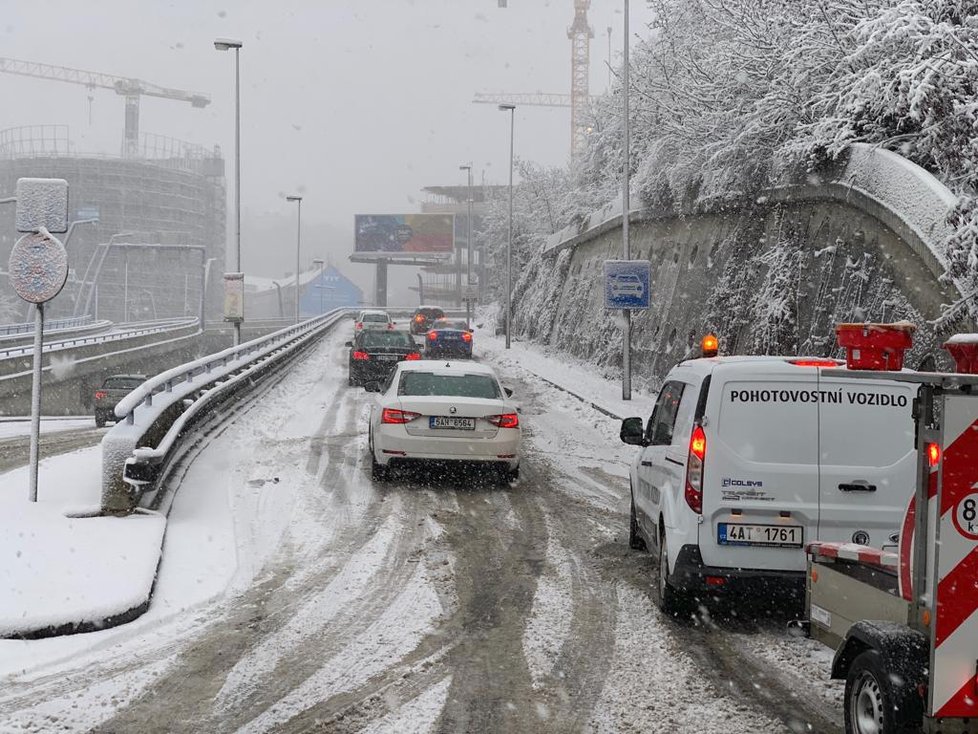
(875, 701)
(635, 539)
(672, 601)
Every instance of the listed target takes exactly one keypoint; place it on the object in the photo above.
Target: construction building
(439, 281)
(167, 195)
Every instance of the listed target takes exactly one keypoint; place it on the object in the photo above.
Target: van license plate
(449, 421)
(778, 536)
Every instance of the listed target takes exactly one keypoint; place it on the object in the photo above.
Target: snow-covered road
(296, 595)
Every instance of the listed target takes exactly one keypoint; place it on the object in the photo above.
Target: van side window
(683, 427)
(664, 417)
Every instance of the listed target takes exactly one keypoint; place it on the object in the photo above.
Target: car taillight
(466, 336)
(360, 356)
(419, 318)
(413, 355)
(101, 394)
(359, 325)
(392, 415)
(390, 325)
(432, 335)
(694, 470)
(506, 420)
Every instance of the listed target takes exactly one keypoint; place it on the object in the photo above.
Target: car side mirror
(632, 432)
(508, 391)
(372, 386)
(349, 344)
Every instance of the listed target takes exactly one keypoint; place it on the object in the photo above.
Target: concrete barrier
(862, 239)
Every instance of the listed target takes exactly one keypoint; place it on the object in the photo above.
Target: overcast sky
(356, 104)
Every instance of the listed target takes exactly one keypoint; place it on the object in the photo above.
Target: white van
(746, 459)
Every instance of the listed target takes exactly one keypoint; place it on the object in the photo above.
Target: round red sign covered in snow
(38, 267)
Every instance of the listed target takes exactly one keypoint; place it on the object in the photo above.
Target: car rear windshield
(123, 382)
(375, 317)
(386, 339)
(466, 386)
(451, 324)
(432, 313)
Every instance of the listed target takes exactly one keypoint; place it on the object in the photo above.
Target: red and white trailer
(904, 620)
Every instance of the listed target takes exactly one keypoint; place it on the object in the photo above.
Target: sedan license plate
(387, 357)
(450, 421)
(778, 536)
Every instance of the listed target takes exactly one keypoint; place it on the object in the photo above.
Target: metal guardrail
(134, 330)
(49, 326)
(166, 416)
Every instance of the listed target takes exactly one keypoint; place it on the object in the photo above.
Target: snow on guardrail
(161, 416)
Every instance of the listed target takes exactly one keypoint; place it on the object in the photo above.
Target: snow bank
(62, 574)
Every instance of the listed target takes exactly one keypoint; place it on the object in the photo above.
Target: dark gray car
(114, 389)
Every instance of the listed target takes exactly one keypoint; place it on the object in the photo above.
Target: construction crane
(131, 89)
(580, 35)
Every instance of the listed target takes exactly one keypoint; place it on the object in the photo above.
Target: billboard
(409, 233)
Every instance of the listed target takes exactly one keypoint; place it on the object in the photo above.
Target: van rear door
(867, 459)
(760, 497)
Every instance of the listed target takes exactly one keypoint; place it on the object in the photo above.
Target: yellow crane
(131, 89)
(579, 99)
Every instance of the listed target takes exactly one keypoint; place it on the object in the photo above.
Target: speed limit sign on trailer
(38, 267)
(966, 516)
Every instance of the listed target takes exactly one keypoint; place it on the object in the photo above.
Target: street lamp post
(226, 44)
(511, 108)
(298, 243)
(468, 245)
(626, 357)
(322, 285)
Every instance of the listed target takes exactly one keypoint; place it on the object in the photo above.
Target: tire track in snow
(392, 635)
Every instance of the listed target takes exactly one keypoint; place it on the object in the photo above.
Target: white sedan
(437, 411)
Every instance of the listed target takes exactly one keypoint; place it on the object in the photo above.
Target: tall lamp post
(227, 44)
(468, 244)
(511, 108)
(626, 357)
(322, 285)
(298, 243)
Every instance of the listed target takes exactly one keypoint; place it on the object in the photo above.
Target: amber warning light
(710, 345)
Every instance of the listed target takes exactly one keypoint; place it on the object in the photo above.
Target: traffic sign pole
(38, 271)
(36, 401)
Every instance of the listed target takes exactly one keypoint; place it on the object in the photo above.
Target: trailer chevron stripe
(954, 685)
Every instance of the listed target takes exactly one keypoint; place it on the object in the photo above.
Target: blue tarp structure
(325, 292)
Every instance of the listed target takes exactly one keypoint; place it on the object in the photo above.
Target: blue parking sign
(627, 283)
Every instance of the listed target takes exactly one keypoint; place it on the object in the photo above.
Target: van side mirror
(632, 432)
(349, 344)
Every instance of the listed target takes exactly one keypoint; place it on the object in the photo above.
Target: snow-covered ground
(12, 427)
(61, 567)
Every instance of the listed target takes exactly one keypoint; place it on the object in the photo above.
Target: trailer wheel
(876, 702)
